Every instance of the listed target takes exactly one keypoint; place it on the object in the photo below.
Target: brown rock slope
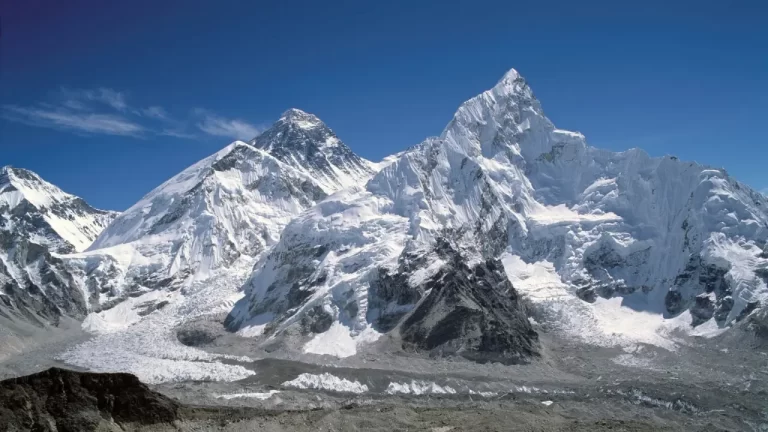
(62, 400)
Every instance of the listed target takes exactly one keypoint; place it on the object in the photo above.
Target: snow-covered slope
(38, 221)
(229, 206)
(48, 215)
(673, 238)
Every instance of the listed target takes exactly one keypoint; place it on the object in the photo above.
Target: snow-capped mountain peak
(61, 221)
(506, 120)
(304, 142)
(511, 75)
(18, 184)
(295, 130)
(301, 119)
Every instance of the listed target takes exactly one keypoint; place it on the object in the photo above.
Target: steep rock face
(62, 400)
(38, 222)
(501, 179)
(473, 312)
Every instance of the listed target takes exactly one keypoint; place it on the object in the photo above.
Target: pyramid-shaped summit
(301, 118)
(60, 221)
(304, 142)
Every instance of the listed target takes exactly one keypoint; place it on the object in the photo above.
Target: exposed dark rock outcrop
(42, 291)
(195, 336)
(751, 306)
(472, 312)
(317, 320)
(62, 400)
(700, 280)
(702, 310)
(301, 138)
(587, 293)
(673, 301)
(724, 309)
(390, 297)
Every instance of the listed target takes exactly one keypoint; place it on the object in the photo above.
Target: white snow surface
(70, 221)
(336, 341)
(326, 381)
(418, 388)
(502, 180)
(201, 219)
(253, 395)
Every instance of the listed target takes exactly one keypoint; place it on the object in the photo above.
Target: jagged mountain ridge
(671, 237)
(38, 222)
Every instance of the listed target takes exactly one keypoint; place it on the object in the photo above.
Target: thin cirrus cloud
(107, 112)
(155, 112)
(77, 97)
(215, 125)
(87, 122)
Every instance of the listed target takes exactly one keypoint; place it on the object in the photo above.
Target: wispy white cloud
(177, 133)
(74, 104)
(78, 121)
(112, 98)
(107, 111)
(156, 112)
(215, 125)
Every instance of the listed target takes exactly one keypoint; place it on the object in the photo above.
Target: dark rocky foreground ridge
(63, 400)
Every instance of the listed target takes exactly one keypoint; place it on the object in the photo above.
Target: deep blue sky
(78, 78)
